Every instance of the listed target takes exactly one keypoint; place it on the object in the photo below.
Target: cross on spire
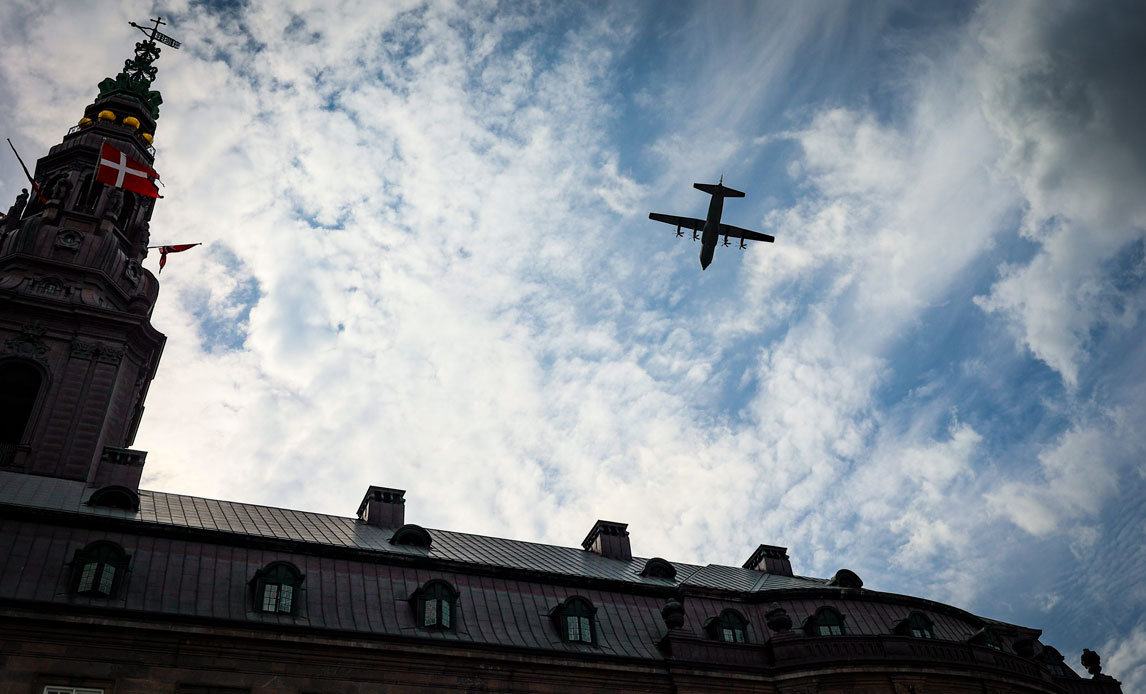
(155, 34)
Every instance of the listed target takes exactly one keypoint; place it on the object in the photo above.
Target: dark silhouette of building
(109, 589)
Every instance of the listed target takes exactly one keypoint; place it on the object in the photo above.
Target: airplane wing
(737, 232)
(682, 222)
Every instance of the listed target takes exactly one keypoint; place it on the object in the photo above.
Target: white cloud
(1071, 120)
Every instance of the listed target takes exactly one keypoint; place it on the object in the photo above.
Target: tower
(77, 348)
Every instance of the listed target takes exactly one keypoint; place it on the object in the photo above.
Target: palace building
(106, 588)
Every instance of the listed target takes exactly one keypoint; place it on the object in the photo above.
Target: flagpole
(35, 186)
(95, 172)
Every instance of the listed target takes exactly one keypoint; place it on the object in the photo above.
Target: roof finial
(138, 72)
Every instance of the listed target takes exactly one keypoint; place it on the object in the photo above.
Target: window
(436, 605)
(920, 627)
(276, 588)
(658, 568)
(826, 622)
(1052, 660)
(19, 386)
(98, 569)
(574, 618)
(115, 496)
(986, 637)
(729, 627)
(917, 625)
(51, 689)
(413, 535)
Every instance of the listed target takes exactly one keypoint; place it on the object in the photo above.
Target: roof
(252, 520)
(210, 578)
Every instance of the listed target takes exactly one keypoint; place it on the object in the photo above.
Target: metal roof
(252, 520)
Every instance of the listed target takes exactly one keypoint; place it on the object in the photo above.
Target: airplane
(711, 228)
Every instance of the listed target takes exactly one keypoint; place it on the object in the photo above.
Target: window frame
(61, 689)
(98, 569)
(919, 626)
(727, 626)
(442, 597)
(817, 625)
(573, 618)
(277, 575)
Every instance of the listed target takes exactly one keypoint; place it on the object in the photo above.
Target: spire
(76, 340)
(138, 71)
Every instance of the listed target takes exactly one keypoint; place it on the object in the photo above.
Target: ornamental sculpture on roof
(138, 72)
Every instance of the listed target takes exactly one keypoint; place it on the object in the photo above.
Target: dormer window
(658, 568)
(98, 569)
(574, 618)
(826, 622)
(729, 627)
(412, 535)
(275, 588)
(115, 496)
(1052, 660)
(436, 605)
(986, 637)
(917, 625)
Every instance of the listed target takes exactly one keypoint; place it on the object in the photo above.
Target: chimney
(609, 539)
(383, 507)
(770, 559)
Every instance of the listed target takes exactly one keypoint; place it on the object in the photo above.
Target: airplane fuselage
(711, 234)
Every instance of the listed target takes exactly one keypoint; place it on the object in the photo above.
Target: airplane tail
(718, 189)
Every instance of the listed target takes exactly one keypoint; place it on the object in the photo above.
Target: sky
(428, 264)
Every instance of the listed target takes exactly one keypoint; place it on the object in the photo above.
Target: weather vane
(155, 34)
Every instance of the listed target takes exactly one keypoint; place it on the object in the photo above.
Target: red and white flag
(178, 248)
(119, 170)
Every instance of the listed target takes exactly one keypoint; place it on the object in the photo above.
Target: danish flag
(119, 170)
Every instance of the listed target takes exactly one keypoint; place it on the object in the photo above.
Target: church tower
(77, 348)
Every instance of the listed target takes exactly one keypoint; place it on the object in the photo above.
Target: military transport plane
(711, 229)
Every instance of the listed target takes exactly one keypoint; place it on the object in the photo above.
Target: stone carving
(114, 204)
(96, 351)
(778, 619)
(62, 187)
(29, 343)
(69, 239)
(17, 208)
(131, 271)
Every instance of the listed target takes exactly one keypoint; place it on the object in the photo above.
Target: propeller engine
(679, 232)
(742, 244)
(726, 244)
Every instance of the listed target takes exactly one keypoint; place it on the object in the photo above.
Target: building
(109, 589)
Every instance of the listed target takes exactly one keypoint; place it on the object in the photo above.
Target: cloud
(1066, 104)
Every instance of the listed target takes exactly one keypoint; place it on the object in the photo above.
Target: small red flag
(178, 248)
(119, 170)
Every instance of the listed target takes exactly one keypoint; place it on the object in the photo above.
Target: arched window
(436, 605)
(126, 212)
(917, 625)
(986, 637)
(574, 618)
(729, 627)
(658, 568)
(826, 622)
(275, 588)
(920, 626)
(98, 569)
(1053, 661)
(19, 386)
